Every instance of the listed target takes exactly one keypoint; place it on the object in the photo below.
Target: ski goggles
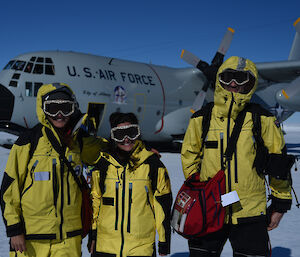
(131, 131)
(54, 107)
(239, 77)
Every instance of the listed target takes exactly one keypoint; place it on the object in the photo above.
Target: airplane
(161, 97)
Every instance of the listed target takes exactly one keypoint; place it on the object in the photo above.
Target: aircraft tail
(295, 50)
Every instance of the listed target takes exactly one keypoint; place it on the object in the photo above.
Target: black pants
(247, 239)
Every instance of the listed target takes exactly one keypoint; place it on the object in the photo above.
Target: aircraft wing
(279, 72)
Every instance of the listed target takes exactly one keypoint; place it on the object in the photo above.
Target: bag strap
(207, 109)
(235, 134)
(61, 151)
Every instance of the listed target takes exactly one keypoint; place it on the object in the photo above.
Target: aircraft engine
(209, 70)
(175, 123)
(289, 97)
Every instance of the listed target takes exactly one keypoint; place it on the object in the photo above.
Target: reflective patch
(241, 64)
(78, 170)
(42, 176)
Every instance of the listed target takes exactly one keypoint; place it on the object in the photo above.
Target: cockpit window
(9, 65)
(36, 65)
(28, 67)
(38, 69)
(49, 69)
(19, 65)
(49, 60)
(40, 59)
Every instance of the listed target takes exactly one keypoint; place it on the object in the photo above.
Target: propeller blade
(199, 100)
(193, 60)
(297, 25)
(209, 71)
(223, 48)
(226, 41)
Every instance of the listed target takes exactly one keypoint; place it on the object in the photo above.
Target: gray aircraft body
(160, 96)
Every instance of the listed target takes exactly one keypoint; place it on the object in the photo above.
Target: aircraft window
(49, 69)
(9, 65)
(40, 59)
(28, 67)
(13, 83)
(28, 89)
(49, 60)
(16, 76)
(19, 65)
(36, 87)
(38, 69)
(32, 59)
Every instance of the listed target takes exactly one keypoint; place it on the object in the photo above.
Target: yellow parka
(39, 196)
(240, 173)
(131, 202)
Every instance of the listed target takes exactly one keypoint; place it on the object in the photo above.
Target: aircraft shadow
(281, 252)
(183, 254)
(276, 252)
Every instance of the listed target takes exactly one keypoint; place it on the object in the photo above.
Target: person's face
(127, 144)
(233, 87)
(59, 121)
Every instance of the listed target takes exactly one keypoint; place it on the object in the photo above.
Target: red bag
(86, 208)
(197, 209)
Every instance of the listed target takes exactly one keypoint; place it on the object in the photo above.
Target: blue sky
(149, 31)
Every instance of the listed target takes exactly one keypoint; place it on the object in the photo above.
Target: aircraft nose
(7, 100)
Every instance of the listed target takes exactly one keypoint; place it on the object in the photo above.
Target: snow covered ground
(285, 240)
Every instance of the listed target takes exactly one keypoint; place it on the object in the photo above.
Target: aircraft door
(139, 105)
(95, 113)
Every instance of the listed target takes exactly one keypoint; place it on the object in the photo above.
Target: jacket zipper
(228, 161)
(117, 205)
(68, 183)
(148, 199)
(222, 150)
(235, 166)
(129, 207)
(54, 185)
(31, 172)
(62, 195)
(123, 211)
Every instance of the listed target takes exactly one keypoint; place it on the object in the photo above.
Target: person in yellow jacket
(131, 195)
(40, 199)
(246, 224)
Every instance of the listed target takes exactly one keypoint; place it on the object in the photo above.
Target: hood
(43, 92)
(223, 98)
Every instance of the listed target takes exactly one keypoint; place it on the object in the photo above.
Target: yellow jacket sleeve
(96, 197)
(162, 210)
(11, 189)
(274, 141)
(190, 152)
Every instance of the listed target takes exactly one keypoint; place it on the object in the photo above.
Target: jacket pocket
(108, 201)
(32, 178)
(148, 200)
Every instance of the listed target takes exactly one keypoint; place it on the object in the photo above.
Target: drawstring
(296, 198)
(295, 163)
(268, 188)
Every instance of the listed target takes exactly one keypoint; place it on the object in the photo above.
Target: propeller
(297, 25)
(209, 71)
